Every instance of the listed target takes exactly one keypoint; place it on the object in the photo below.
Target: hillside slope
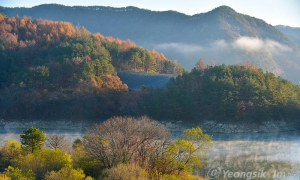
(291, 32)
(52, 55)
(218, 36)
(51, 69)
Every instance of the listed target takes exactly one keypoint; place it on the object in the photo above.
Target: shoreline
(206, 125)
(212, 126)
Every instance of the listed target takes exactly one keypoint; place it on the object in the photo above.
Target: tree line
(224, 93)
(118, 148)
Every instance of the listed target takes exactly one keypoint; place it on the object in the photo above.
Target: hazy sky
(284, 12)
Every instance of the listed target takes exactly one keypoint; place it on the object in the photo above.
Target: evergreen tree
(32, 139)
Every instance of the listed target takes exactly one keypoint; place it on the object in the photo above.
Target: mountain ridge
(292, 32)
(223, 10)
(221, 35)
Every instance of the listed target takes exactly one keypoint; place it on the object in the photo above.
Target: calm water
(269, 155)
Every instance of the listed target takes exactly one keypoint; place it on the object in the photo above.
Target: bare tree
(56, 141)
(126, 139)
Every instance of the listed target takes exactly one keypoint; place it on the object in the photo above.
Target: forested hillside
(49, 55)
(53, 70)
(228, 93)
(220, 36)
(45, 62)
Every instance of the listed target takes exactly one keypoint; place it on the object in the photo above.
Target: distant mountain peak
(224, 9)
(49, 5)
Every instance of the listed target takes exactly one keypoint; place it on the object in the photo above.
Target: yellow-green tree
(43, 161)
(126, 171)
(10, 150)
(185, 153)
(67, 173)
(3, 176)
(16, 173)
(82, 160)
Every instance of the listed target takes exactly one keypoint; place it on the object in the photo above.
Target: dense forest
(52, 70)
(45, 62)
(50, 55)
(234, 93)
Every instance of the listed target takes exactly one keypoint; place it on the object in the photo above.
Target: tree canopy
(147, 144)
(33, 139)
(233, 92)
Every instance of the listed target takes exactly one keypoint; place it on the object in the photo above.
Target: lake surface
(234, 156)
(272, 155)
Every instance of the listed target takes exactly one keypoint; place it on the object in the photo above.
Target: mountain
(47, 65)
(218, 36)
(52, 55)
(291, 32)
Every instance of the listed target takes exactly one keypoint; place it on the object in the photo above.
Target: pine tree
(33, 139)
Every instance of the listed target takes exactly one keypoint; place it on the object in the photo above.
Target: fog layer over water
(276, 154)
